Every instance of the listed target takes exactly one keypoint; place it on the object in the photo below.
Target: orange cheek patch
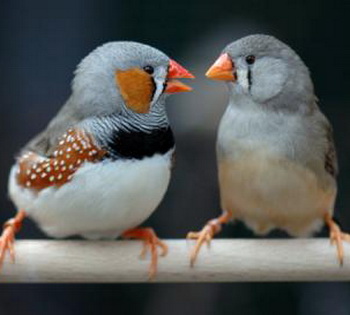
(136, 87)
(73, 149)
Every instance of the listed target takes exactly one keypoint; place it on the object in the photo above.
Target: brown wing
(74, 148)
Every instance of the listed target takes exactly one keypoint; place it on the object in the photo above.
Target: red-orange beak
(222, 69)
(177, 72)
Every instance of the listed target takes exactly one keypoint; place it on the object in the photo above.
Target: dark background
(41, 43)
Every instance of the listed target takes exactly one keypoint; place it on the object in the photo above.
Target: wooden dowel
(225, 261)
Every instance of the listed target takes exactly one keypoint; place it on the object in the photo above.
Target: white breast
(101, 201)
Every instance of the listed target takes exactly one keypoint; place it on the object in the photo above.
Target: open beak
(177, 72)
(222, 69)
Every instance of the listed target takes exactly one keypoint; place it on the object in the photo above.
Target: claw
(206, 234)
(337, 237)
(7, 238)
(150, 243)
(144, 251)
(163, 247)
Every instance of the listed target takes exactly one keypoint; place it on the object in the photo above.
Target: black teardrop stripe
(249, 79)
(140, 144)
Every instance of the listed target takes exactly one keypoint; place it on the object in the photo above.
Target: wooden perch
(224, 261)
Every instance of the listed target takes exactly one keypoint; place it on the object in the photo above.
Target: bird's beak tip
(176, 71)
(176, 86)
(222, 69)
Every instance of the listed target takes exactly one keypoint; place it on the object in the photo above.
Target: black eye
(148, 69)
(250, 59)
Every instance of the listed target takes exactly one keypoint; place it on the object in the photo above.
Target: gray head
(124, 77)
(265, 70)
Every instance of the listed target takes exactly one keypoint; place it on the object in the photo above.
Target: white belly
(101, 201)
(269, 193)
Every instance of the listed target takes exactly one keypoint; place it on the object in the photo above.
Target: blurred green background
(41, 43)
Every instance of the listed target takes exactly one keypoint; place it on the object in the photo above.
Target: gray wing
(43, 142)
(331, 163)
(321, 145)
(330, 155)
(71, 114)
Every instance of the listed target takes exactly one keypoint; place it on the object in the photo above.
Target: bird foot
(7, 238)
(206, 234)
(203, 236)
(337, 237)
(150, 243)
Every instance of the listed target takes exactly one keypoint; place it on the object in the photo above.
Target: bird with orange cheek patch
(275, 151)
(103, 164)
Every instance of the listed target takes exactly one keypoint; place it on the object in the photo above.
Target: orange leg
(150, 242)
(337, 237)
(207, 233)
(7, 238)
